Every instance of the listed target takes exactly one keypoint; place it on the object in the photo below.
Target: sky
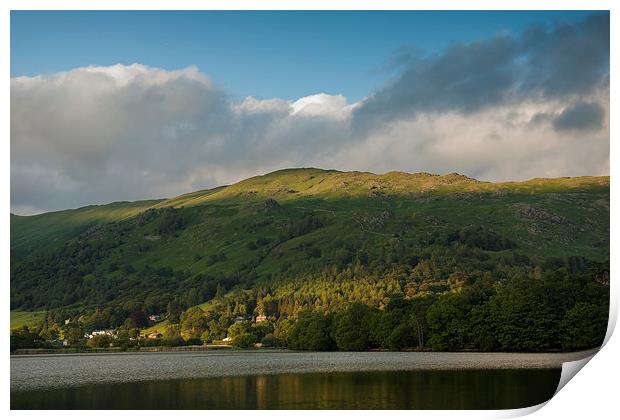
(109, 106)
(290, 54)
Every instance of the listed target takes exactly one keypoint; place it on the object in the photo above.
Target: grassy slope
(51, 230)
(160, 327)
(225, 219)
(29, 319)
(294, 184)
(217, 217)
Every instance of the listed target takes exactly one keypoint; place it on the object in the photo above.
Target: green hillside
(51, 230)
(310, 240)
(29, 319)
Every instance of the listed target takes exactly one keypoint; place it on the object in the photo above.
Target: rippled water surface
(264, 379)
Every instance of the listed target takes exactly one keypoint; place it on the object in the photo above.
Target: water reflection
(465, 389)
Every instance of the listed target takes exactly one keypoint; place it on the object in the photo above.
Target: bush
(244, 341)
(271, 340)
(23, 338)
(99, 341)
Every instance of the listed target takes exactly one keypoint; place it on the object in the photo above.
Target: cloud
(566, 60)
(323, 105)
(570, 59)
(492, 109)
(466, 77)
(580, 116)
(99, 134)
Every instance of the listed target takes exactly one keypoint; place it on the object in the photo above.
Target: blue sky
(265, 54)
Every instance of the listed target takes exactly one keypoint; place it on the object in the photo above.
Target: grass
(29, 319)
(49, 231)
(293, 184)
(160, 327)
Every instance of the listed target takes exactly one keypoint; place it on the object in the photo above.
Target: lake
(230, 379)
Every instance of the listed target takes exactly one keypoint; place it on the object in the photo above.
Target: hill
(51, 230)
(308, 239)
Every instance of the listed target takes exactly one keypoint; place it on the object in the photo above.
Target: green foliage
(447, 322)
(282, 330)
(341, 260)
(270, 340)
(171, 221)
(401, 338)
(99, 341)
(584, 326)
(352, 328)
(261, 329)
(312, 332)
(238, 328)
(193, 323)
(23, 338)
(74, 335)
(49, 231)
(172, 336)
(244, 341)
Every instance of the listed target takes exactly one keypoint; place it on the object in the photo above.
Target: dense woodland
(396, 275)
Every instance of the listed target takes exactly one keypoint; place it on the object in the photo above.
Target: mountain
(309, 238)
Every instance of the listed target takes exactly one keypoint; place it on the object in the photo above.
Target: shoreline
(215, 347)
(70, 370)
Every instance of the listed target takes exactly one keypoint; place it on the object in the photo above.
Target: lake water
(285, 380)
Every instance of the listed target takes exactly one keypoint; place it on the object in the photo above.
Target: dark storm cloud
(466, 77)
(568, 59)
(582, 116)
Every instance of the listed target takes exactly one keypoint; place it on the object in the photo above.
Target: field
(29, 319)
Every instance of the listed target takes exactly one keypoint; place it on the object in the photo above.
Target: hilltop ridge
(297, 183)
(53, 229)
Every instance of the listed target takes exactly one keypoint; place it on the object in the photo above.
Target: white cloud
(100, 134)
(323, 105)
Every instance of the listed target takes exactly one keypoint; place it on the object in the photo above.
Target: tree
(447, 322)
(312, 332)
(136, 319)
(261, 329)
(584, 327)
(402, 337)
(271, 340)
(244, 341)
(351, 328)
(99, 341)
(193, 323)
(282, 329)
(49, 334)
(238, 328)
(74, 334)
(524, 317)
(172, 336)
(174, 311)
(23, 338)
